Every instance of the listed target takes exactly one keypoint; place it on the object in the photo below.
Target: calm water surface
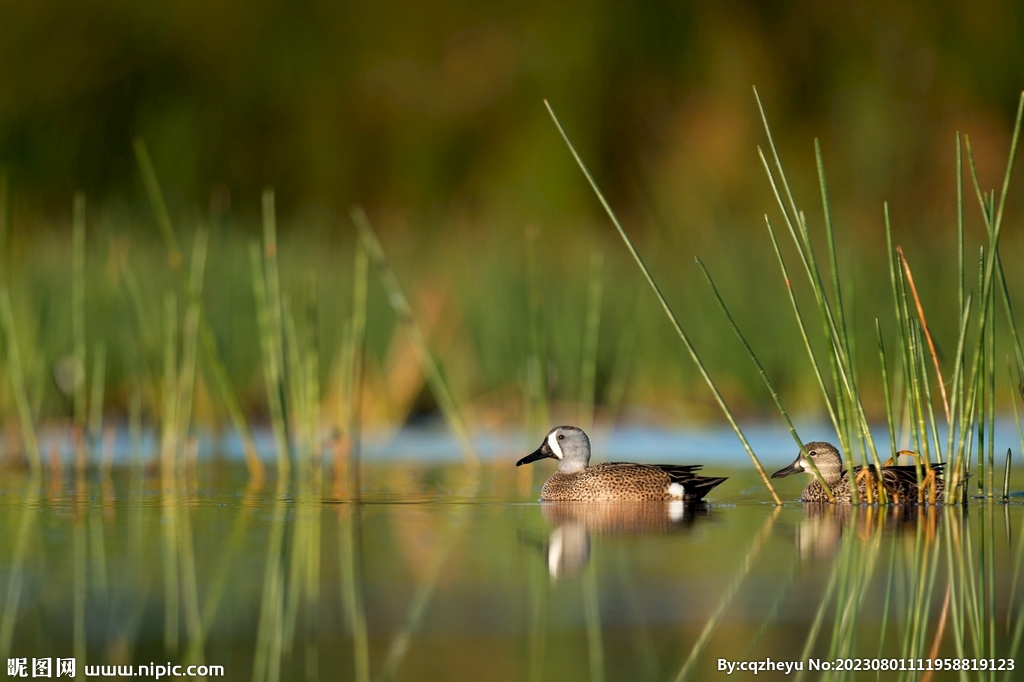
(439, 575)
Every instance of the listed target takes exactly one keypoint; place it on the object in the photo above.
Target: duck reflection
(567, 549)
(819, 534)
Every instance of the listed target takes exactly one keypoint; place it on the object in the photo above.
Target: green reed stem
(979, 376)
(421, 599)
(957, 603)
(889, 419)
(806, 257)
(990, 363)
(311, 383)
(135, 428)
(293, 388)
(888, 598)
(311, 637)
(78, 308)
(1006, 475)
(1018, 630)
(169, 427)
(592, 615)
(353, 355)
(215, 579)
(803, 328)
(753, 550)
(143, 338)
(194, 632)
(910, 369)
(266, 665)
(78, 589)
(27, 531)
(974, 612)
(1020, 436)
(819, 616)
(768, 382)
(929, 403)
(209, 341)
(960, 251)
(668, 310)
(171, 561)
(830, 241)
(272, 369)
(28, 430)
(350, 545)
(989, 577)
(431, 368)
(957, 401)
(1018, 351)
(848, 400)
(99, 371)
(190, 335)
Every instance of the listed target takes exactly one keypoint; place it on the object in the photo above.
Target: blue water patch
(434, 443)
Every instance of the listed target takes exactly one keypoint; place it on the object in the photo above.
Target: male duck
(900, 481)
(575, 480)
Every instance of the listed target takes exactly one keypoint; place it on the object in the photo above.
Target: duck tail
(699, 486)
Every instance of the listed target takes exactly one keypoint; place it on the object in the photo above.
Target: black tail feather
(699, 486)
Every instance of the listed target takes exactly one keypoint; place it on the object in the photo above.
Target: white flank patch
(676, 509)
(553, 444)
(676, 491)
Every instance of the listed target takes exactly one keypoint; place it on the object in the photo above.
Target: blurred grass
(471, 295)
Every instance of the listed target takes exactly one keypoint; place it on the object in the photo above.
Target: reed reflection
(819, 535)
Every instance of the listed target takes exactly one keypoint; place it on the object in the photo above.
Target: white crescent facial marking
(553, 444)
(676, 491)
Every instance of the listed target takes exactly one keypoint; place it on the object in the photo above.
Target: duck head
(826, 457)
(568, 444)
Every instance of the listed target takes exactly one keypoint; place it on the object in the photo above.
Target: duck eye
(561, 437)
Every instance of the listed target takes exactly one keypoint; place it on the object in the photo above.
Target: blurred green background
(430, 115)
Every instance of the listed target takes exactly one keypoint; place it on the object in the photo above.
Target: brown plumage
(900, 481)
(613, 481)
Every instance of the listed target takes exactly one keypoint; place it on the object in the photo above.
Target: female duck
(900, 481)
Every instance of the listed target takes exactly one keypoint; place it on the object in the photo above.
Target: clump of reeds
(969, 404)
(668, 310)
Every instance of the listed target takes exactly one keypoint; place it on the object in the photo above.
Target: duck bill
(794, 468)
(539, 453)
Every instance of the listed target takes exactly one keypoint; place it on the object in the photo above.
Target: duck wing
(695, 486)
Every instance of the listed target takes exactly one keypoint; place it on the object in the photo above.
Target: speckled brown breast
(609, 482)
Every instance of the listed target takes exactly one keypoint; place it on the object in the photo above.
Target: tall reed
(215, 363)
(17, 375)
(431, 368)
(668, 310)
(350, 383)
(78, 318)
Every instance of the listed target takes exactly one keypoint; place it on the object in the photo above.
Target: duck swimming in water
(900, 481)
(576, 480)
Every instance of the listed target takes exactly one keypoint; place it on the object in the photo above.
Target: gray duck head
(826, 457)
(568, 444)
